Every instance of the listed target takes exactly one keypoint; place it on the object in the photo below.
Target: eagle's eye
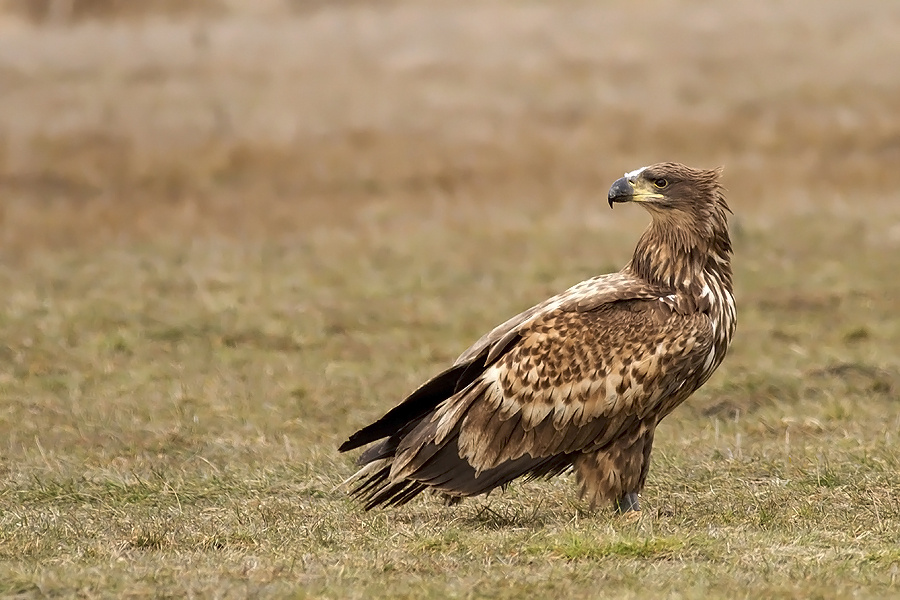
(660, 183)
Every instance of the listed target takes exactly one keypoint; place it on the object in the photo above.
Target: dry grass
(230, 239)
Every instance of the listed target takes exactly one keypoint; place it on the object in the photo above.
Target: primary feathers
(582, 379)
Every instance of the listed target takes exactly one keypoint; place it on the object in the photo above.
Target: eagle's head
(665, 187)
(690, 221)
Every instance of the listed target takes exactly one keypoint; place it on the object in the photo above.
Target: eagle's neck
(693, 260)
(682, 253)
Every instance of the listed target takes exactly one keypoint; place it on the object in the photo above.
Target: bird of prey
(581, 380)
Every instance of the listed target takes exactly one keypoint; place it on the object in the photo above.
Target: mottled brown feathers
(582, 379)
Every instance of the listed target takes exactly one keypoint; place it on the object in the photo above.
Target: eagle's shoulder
(589, 295)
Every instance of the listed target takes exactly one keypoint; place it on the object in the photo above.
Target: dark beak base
(621, 191)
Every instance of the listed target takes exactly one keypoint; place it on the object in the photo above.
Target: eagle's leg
(617, 472)
(628, 503)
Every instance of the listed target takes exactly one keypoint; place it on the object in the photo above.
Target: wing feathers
(562, 378)
(586, 296)
(571, 400)
(417, 405)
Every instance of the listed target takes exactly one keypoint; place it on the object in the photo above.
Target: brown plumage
(582, 379)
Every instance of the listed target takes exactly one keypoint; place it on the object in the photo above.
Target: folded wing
(565, 377)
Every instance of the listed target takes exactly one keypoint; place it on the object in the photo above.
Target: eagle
(581, 380)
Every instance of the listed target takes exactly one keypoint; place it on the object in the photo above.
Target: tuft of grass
(580, 547)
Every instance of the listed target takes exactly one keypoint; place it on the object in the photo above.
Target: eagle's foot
(628, 503)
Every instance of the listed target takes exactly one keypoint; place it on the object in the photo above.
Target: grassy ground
(231, 238)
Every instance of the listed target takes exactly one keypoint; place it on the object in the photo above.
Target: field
(234, 232)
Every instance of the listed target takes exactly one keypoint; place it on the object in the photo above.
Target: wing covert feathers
(585, 296)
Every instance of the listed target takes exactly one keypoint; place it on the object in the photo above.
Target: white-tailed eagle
(581, 380)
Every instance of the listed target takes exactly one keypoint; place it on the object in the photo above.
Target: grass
(213, 272)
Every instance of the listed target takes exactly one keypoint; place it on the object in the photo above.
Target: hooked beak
(621, 191)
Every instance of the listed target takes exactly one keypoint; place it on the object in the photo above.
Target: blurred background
(280, 117)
